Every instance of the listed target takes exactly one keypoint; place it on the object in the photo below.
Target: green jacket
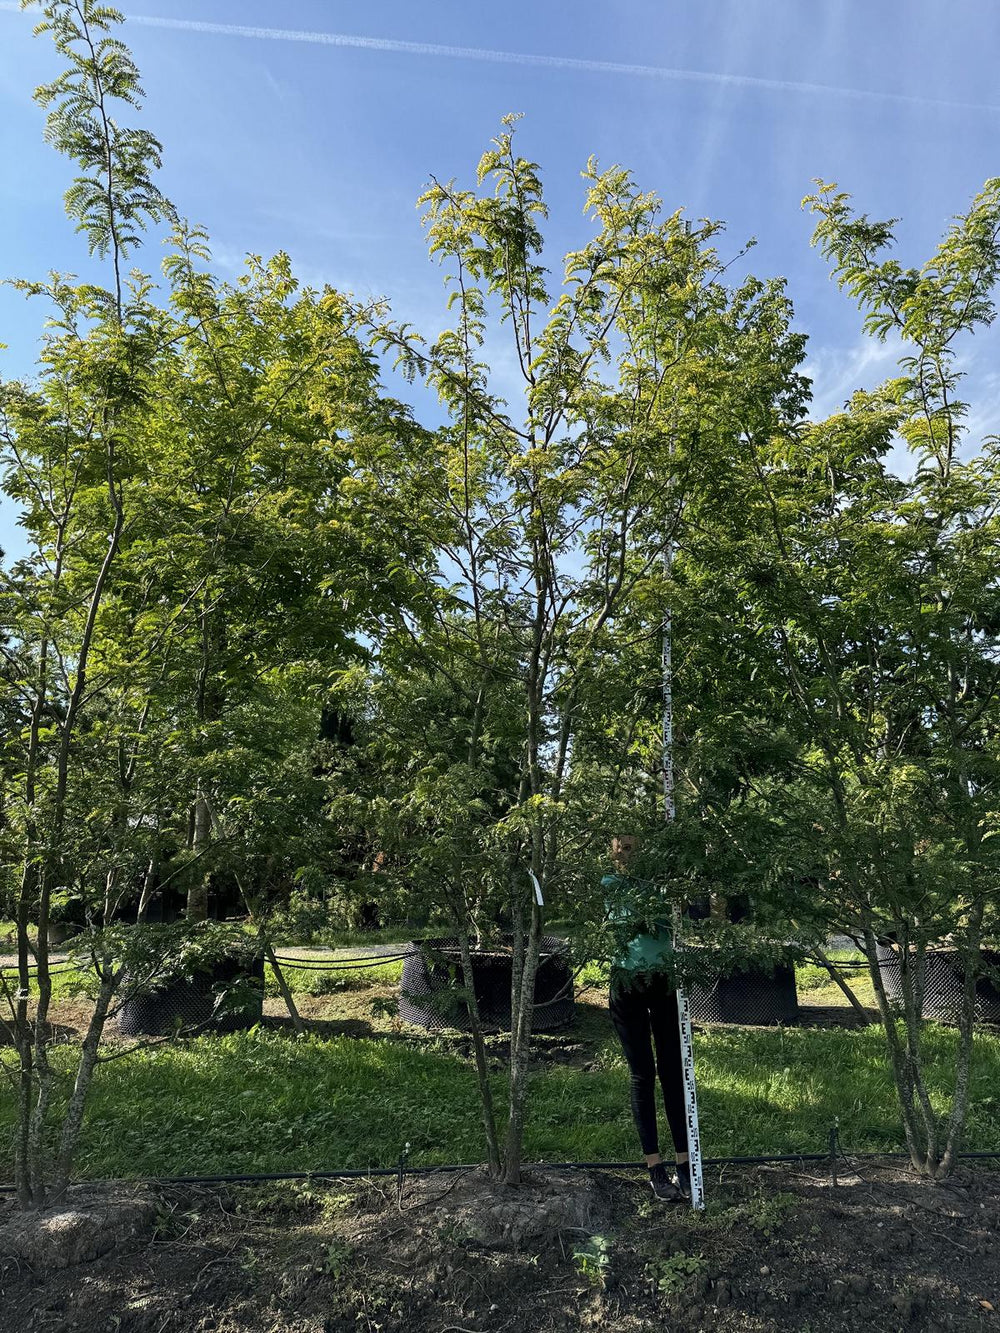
(651, 946)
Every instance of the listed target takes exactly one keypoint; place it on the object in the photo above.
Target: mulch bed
(779, 1248)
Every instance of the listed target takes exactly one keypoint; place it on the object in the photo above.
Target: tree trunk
(852, 998)
(521, 1023)
(283, 987)
(911, 977)
(969, 957)
(73, 1119)
(897, 1060)
(197, 902)
(479, 1046)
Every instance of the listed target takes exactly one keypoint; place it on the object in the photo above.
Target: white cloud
(537, 61)
(837, 372)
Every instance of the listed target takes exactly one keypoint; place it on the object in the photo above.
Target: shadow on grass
(326, 1028)
(345, 1096)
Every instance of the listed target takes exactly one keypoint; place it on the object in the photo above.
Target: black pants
(644, 1014)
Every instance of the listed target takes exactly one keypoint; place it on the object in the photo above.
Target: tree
(215, 496)
(859, 611)
(557, 511)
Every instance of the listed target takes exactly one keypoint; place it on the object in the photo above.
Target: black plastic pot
(754, 996)
(427, 995)
(227, 997)
(944, 980)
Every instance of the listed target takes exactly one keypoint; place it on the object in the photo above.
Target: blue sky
(319, 142)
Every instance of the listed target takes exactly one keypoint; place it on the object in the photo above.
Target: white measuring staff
(683, 1006)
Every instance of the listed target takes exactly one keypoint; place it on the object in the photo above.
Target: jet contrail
(528, 60)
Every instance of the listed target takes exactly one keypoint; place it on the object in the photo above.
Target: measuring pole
(683, 1005)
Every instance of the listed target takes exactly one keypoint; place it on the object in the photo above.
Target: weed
(337, 1255)
(168, 1225)
(593, 1259)
(456, 1235)
(387, 1007)
(250, 1263)
(766, 1212)
(674, 1273)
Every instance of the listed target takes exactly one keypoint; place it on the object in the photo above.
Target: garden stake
(683, 1006)
(834, 1148)
(401, 1167)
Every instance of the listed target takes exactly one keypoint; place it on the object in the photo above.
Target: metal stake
(669, 810)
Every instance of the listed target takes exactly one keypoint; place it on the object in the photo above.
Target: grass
(304, 980)
(266, 1101)
(263, 1101)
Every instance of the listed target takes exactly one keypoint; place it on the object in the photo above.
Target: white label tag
(538, 889)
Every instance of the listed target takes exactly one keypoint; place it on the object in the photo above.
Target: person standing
(643, 1005)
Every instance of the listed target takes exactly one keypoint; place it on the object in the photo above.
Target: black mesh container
(752, 997)
(228, 997)
(427, 988)
(943, 982)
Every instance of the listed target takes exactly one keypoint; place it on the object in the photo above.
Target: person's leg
(630, 1017)
(663, 1017)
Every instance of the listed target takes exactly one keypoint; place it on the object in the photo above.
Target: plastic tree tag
(538, 888)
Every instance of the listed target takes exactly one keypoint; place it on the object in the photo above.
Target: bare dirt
(779, 1248)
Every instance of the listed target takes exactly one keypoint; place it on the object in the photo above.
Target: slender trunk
(73, 1119)
(970, 960)
(897, 1060)
(149, 879)
(521, 1023)
(197, 902)
(479, 1046)
(40, 1042)
(283, 987)
(52, 864)
(855, 1003)
(29, 888)
(517, 957)
(910, 971)
(265, 943)
(23, 1039)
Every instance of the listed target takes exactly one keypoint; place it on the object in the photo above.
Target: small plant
(386, 1007)
(336, 1259)
(455, 1234)
(673, 1273)
(250, 1262)
(593, 1260)
(766, 1213)
(168, 1224)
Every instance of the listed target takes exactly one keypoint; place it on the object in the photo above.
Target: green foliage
(335, 1259)
(674, 1273)
(116, 196)
(234, 533)
(592, 1259)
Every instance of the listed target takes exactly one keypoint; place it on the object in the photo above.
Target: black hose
(357, 1173)
(342, 965)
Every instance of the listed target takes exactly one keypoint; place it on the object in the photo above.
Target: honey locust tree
(208, 485)
(858, 609)
(561, 484)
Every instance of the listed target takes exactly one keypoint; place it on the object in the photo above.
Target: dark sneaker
(682, 1178)
(661, 1184)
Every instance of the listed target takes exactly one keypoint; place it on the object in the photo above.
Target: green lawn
(265, 1101)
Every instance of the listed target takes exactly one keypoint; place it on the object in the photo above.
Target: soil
(778, 1248)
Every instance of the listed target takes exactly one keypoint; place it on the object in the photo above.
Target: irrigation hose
(362, 1173)
(344, 965)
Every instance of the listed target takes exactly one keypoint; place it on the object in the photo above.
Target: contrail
(526, 59)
